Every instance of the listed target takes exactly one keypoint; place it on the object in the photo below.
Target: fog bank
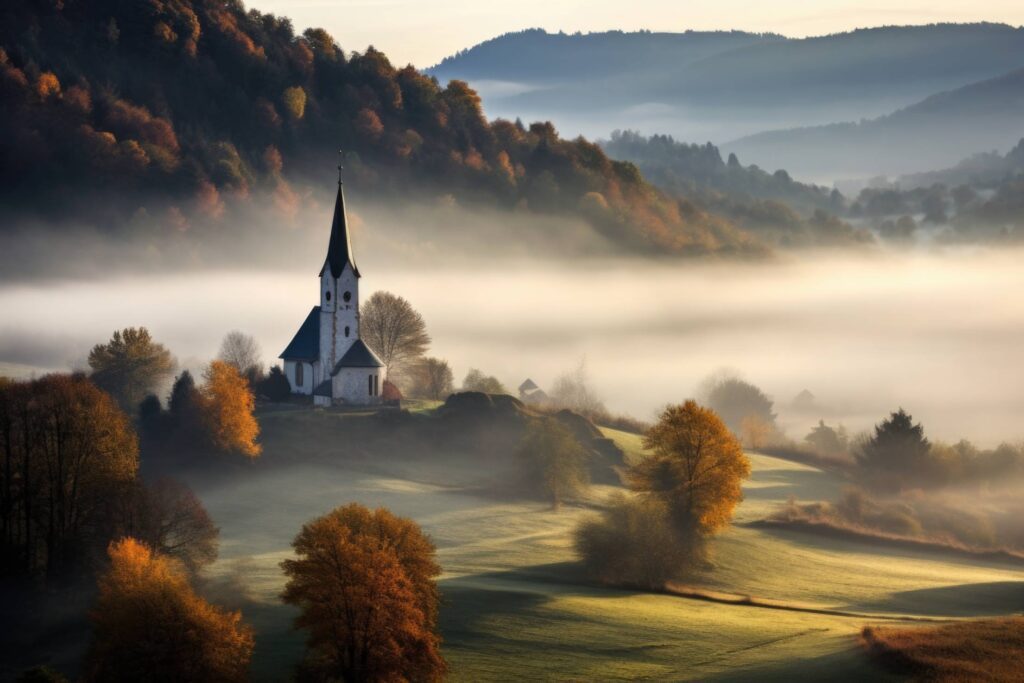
(936, 333)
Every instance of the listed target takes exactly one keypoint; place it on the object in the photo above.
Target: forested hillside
(933, 133)
(771, 205)
(170, 115)
(720, 86)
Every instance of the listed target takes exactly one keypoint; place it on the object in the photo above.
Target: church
(327, 358)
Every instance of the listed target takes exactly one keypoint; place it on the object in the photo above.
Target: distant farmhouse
(530, 393)
(327, 358)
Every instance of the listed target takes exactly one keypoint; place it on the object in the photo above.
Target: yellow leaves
(147, 615)
(294, 100)
(229, 404)
(47, 85)
(697, 467)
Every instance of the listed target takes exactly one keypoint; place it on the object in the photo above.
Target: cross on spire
(340, 167)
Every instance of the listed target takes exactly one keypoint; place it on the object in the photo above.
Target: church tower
(339, 291)
(326, 358)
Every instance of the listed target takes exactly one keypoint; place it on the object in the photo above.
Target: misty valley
(576, 354)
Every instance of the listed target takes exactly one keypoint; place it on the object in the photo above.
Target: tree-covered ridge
(182, 111)
(546, 57)
(772, 206)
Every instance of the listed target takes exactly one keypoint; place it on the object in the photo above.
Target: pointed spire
(339, 249)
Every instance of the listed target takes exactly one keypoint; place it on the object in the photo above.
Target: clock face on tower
(328, 295)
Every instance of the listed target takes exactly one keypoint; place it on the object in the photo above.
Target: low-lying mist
(936, 332)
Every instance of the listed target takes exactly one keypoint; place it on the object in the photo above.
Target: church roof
(339, 249)
(305, 345)
(358, 355)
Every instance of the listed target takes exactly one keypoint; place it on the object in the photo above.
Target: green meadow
(515, 605)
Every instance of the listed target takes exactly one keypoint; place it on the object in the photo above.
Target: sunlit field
(516, 606)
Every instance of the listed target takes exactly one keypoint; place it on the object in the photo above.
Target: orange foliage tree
(364, 581)
(229, 402)
(151, 626)
(697, 468)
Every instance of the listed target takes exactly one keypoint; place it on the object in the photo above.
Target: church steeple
(339, 249)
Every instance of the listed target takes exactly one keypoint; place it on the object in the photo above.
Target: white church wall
(308, 378)
(352, 386)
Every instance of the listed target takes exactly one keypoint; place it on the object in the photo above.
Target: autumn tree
(228, 404)
(432, 378)
(130, 366)
(554, 460)
(68, 455)
(364, 581)
(475, 380)
(734, 399)
(696, 468)
(242, 351)
(394, 330)
(150, 625)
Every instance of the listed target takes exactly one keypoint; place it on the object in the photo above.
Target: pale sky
(422, 32)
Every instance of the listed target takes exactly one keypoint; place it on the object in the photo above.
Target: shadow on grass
(969, 599)
(850, 664)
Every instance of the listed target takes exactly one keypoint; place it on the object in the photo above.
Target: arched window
(298, 374)
(376, 385)
(369, 384)
(328, 295)
(346, 330)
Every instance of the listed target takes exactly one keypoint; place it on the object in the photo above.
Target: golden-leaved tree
(687, 489)
(697, 468)
(364, 581)
(228, 408)
(151, 626)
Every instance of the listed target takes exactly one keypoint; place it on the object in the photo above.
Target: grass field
(515, 606)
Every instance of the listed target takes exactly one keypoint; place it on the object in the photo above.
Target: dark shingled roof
(358, 355)
(323, 389)
(339, 249)
(305, 345)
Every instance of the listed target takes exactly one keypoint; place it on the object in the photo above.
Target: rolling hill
(195, 118)
(937, 132)
(719, 86)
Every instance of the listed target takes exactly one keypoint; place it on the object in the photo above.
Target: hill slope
(175, 116)
(936, 132)
(718, 86)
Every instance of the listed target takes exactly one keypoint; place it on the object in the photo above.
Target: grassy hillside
(515, 606)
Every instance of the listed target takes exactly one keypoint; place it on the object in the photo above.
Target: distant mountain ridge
(934, 133)
(551, 57)
(730, 84)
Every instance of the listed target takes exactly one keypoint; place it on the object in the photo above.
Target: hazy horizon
(934, 331)
(423, 34)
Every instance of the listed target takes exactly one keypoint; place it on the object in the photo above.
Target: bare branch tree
(394, 330)
(242, 351)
